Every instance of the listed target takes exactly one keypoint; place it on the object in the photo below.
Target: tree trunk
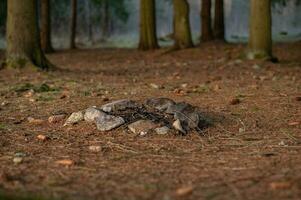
(148, 36)
(88, 11)
(23, 37)
(219, 26)
(3, 10)
(206, 21)
(182, 32)
(260, 39)
(46, 26)
(73, 23)
(105, 20)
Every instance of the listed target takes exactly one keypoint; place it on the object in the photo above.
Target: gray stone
(92, 113)
(178, 126)
(160, 104)
(188, 115)
(162, 130)
(108, 122)
(75, 118)
(119, 105)
(142, 127)
(188, 118)
(177, 107)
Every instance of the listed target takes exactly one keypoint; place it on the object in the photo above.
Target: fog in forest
(122, 22)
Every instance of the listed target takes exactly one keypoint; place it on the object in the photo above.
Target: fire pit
(159, 115)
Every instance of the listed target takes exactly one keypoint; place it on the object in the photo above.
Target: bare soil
(252, 151)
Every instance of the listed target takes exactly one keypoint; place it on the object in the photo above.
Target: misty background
(122, 22)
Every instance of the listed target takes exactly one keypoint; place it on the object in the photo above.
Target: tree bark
(260, 39)
(148, 36)
(73, 24)
(46, 26)
(219, 25)
(3, 10)
(207, 34)
(23, 37)
(182, 32)
(105, 20)
(88, 20)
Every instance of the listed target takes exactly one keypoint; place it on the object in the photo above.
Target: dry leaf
(65, 162)
(31, 120)
(235, 101)
(280, 185)
(183, 191)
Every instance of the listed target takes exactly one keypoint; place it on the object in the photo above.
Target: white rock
(108, 122)
(119, 105)
(177, 125)
(17, 160)
(142, 127)
(92, 113)
(75, 118)
(162, 130)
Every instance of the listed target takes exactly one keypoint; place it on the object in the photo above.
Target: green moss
(16, 63)
(3, 126)
(37, 88)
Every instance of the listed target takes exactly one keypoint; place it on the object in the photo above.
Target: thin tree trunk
(3, 9)
(219, 26)
(105, 20)
(46, 26)
(23, 37)
(88, 20)
(148, 36)
(260, 40)
(182, 32)
(73, 23)
(207, 34)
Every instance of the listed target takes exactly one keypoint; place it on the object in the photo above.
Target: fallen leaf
(280, 185)
(34, 121)
(183, 191)
(65, 162)
(235, 101)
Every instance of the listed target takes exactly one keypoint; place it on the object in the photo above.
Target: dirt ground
(252, 150)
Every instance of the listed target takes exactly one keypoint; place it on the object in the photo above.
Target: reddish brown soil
(253, 150)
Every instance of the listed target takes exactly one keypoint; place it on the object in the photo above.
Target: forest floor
(252, 151)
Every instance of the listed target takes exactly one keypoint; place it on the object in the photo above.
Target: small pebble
(95, 148)
(155, 86)
(178, 126)
(42, 137)
(18, 160)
